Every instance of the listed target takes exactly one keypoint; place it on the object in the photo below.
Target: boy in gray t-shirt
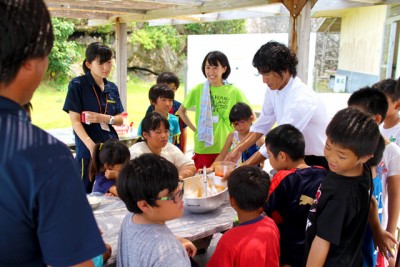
(150, 188)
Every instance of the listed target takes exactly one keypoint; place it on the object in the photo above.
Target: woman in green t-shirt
(213, 101)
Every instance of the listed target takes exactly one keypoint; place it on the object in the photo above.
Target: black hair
(355, 130)
(28, 108)
(388, 87)
(160, 90)
(111, 152)
(143, 178)
(288, 139)
(378, 154)
(240, 111)
(369, 100)
(213, 58)
(397, 89)
(276, 57)
(249, 187)
(26, 33)
(152, 121)
(168, 77)
(96, 50)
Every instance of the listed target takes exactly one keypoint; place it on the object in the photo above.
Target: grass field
(48, 103)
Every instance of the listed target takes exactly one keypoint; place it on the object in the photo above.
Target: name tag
(104, 126)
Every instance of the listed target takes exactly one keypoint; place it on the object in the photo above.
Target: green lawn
(48, 102)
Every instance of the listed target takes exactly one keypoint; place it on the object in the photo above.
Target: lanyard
(98, 101)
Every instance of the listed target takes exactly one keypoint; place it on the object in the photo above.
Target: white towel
(205, 129)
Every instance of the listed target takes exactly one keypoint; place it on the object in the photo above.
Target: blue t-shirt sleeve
(67, 231)
(119, 107)
(114, 104)
(139, 130)
(73, 100)
(274, 199)
(175, 129)
(176, 106)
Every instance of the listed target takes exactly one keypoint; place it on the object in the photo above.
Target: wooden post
(299, 33)
(121, 60)
(392, 42)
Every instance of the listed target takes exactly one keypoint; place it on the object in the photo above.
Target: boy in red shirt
(255, 241)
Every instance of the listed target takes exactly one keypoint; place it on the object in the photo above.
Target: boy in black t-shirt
(338, 218)
(292, 190)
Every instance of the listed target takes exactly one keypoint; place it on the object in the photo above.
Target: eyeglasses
(175, 197)
(237, 123)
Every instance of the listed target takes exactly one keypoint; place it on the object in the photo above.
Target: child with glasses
(241, 118)
(151, 190)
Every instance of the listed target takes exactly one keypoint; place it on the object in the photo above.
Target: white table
(66, 135)
(197, 228)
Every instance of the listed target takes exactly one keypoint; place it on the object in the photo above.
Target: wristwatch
(112, 120)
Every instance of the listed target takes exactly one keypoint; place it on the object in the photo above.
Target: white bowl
(94, 201)
(194, 199)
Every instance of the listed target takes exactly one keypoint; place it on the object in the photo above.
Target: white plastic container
(194, 199)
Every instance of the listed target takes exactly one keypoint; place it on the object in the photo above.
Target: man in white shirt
(287, 101)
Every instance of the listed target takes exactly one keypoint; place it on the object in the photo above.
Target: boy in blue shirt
(172, 81)
(161, 98)
(292, 190)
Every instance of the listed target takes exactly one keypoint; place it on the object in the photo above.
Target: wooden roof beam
(94, 9)
(212, 6)
(174, 2)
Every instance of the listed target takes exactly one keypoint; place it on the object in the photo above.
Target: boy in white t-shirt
(390, 128)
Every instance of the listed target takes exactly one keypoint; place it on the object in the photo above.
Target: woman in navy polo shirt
(94, 105)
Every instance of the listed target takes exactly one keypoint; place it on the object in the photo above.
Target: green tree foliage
(155, 37)
(218, 27)
(152, 37)
(63, 53)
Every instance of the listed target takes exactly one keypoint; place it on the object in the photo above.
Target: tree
(63, 53)
(155, 37)
(218, 27)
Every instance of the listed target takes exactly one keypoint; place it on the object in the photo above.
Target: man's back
(45, 215)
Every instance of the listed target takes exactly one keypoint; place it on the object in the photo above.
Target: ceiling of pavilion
(159, 12)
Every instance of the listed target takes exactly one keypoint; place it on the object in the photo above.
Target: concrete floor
(202, 259)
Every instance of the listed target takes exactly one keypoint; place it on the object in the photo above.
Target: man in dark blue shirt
(45, 217)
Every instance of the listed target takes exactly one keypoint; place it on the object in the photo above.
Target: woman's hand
(95, 117)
